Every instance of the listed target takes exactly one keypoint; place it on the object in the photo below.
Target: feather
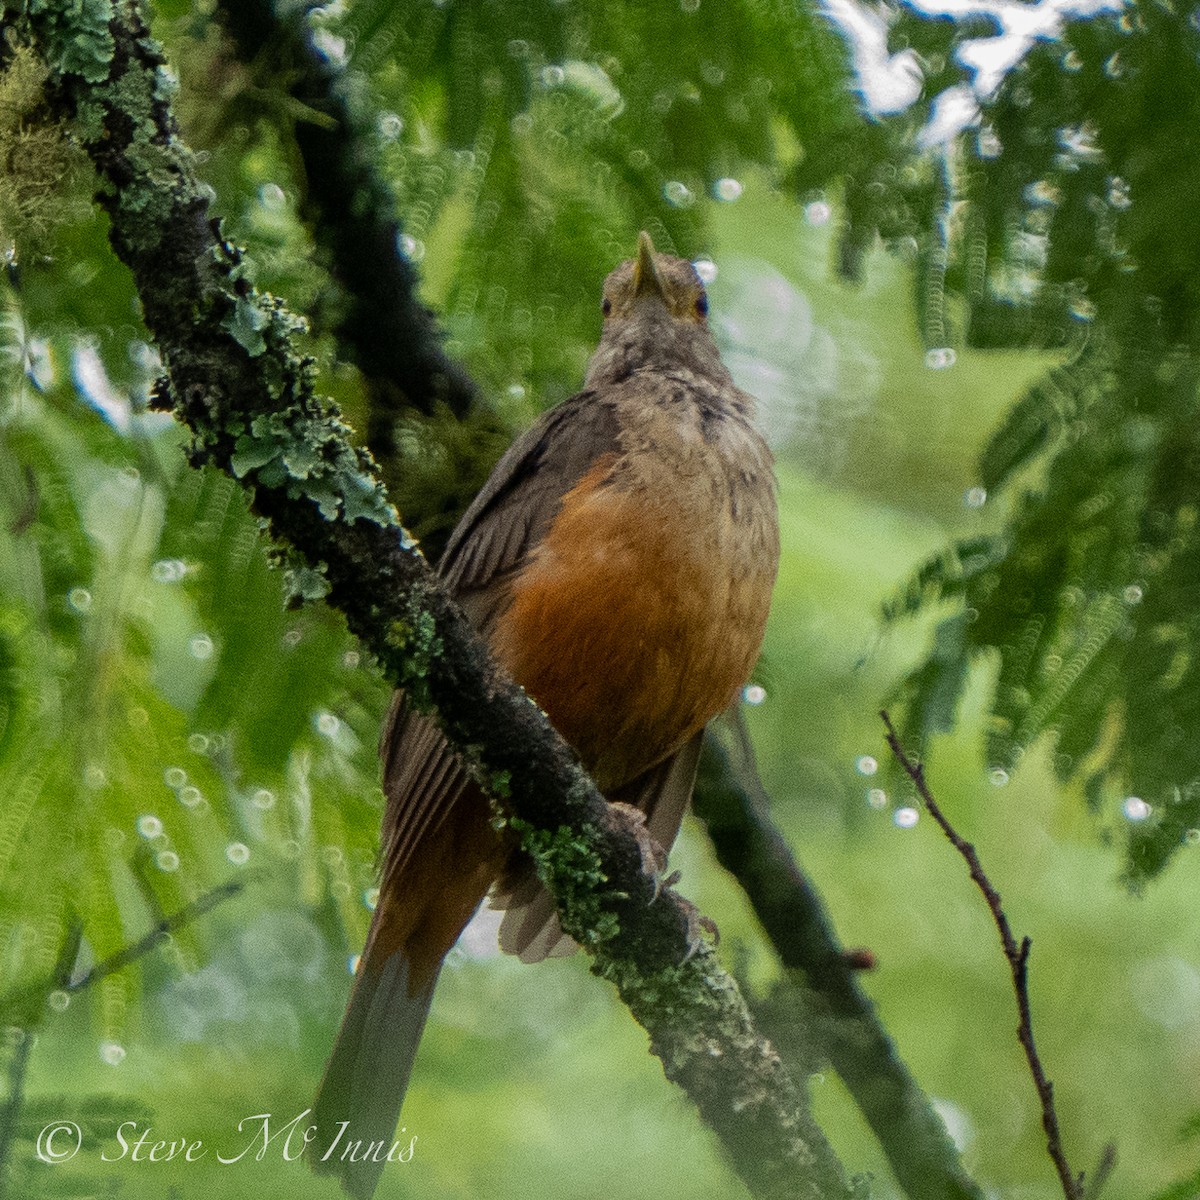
(359, 1102)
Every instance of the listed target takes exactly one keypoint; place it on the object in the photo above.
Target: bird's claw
(697, 925)
(654, 862)
(654, 857)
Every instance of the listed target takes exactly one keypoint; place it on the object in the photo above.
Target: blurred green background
(166, 724)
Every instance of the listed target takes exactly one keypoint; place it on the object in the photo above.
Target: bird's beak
(646, 280)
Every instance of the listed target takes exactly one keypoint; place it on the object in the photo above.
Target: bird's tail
(359, 1102)
(437, 866)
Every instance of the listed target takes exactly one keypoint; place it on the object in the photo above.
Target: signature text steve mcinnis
(254, 1139)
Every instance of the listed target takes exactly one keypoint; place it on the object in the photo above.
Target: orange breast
(635, 621)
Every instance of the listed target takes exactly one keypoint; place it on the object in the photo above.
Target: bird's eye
(606, 307)
(702, 305)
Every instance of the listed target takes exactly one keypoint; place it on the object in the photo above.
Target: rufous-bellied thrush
(619, 563)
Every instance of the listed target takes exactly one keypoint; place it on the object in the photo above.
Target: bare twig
(154, 936)
(1099, 1177)
(63, 981)
(1018, 961)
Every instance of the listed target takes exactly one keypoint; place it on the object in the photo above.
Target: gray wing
(421, 774)
(524, 492)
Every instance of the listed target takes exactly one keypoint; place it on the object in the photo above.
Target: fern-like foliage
(1075, 227)
(162, 715)
(528, 143)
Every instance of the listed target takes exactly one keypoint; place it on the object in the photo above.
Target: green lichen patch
(308, 456)
(302, 582)
(572, 871)
(76, 36)
(416, 643)
(246, 322)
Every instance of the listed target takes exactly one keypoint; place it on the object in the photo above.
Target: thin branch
(735, 809)
(128, 955)
(247, 398)
(1018, 961)
(63, 981)
(1099, 1177)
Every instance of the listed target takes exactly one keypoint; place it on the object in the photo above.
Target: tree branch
(735, 809)
(1018, 961)
(392, 338)
(61, 980)
(248, 401)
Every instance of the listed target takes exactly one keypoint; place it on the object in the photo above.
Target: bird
(619, 563)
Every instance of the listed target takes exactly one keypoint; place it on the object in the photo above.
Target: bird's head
(653, 280)
(655, 318)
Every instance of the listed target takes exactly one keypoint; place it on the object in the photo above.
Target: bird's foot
(654, 857)
(699, 927)
(654, 862)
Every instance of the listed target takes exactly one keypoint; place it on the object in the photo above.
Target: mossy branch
(246, 396)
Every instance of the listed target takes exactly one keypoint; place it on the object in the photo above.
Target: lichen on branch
(38, 164)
